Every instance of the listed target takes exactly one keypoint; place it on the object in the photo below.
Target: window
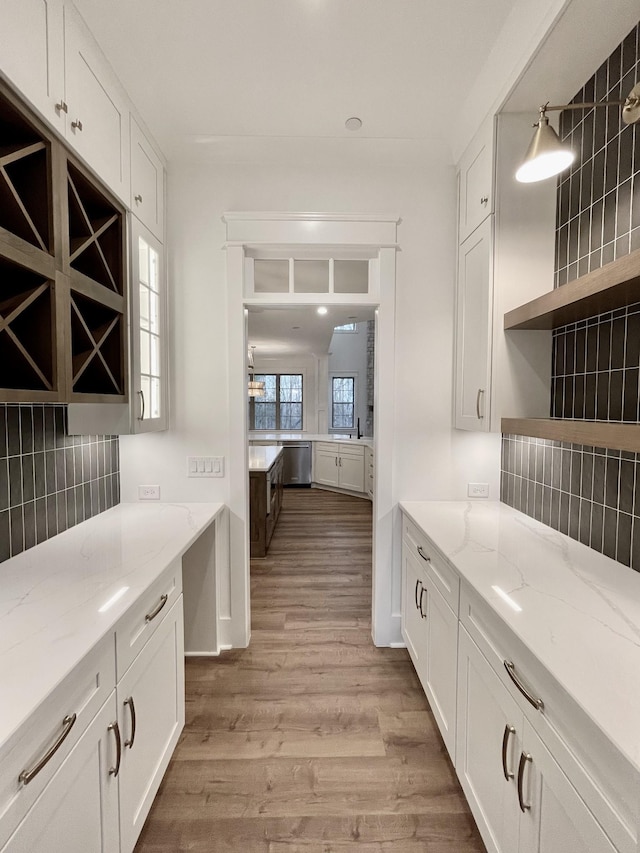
(348, 327)
(342, 402)
(281, 405)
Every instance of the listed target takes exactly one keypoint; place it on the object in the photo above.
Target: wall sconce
(254, 388)
(548, 156)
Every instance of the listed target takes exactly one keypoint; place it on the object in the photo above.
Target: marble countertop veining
(262, 458)
(50, 595)
(580, 613)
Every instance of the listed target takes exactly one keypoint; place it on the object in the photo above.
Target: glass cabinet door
(148, 330)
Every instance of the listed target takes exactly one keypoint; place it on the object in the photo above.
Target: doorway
(274, 236)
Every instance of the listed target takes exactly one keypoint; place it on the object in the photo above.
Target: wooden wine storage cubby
(63, 282)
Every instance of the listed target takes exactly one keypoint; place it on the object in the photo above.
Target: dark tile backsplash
(50, 481)
(591, 494)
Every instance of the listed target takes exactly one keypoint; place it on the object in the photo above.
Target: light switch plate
(205, 466)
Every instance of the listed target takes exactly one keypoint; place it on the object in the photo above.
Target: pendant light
(255, 389)
(548, 156)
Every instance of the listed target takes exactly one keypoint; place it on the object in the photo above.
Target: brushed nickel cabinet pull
(524, 759)
(508, 731)
(415, 595)
(478, 396)
(422, 613)
(335, 459)
(115, 728)
(61, 107)
(138, 198)
(77, 125)
(128, 703)
(484, 199)
(533, 700)
(423, 555)
(27, 775)
(141, 415)
(156, 610)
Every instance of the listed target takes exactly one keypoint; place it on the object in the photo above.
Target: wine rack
(62, 270)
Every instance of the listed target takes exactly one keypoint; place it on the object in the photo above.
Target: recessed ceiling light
(353, 123)
(352, 317)
(322, 310)
(295, 327)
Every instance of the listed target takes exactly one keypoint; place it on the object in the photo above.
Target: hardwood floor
(312, 740)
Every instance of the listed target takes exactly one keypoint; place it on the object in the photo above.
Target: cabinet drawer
(603, 778)
(351, 449)
(145, 616)
(326, 446)
(82, 693)
(444, 578)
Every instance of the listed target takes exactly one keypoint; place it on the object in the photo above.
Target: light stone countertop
(343, 438)
(50, 595)
(580, 612)
(262, 458)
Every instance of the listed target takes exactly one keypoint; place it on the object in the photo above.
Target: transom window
(347, 327)
(281, 405)
(342, 402)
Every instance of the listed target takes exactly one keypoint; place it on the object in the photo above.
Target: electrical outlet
(205, 466)
(148, 493)
(478, 490)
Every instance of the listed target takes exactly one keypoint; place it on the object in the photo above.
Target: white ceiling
(227, 79)
(272, 330)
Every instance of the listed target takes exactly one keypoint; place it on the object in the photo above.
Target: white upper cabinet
(476, 181)
(98, 117)
(147, 182)
(474, 330)
(32, 54)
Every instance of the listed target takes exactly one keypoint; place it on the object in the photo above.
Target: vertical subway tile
(623, 544)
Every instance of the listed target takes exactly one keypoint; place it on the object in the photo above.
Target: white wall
(430, 460)
(348, 356)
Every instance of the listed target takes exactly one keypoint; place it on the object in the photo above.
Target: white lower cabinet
(97, 799)
(78, 810)
(340, 466)
(151, 712)
(430, 630)
(520, 797)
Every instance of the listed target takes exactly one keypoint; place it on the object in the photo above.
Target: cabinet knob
(484, 199)
(77, 125)
(138, 198)
(61, 107)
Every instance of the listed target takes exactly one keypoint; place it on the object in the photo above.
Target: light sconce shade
(546, 156)
(254, 388)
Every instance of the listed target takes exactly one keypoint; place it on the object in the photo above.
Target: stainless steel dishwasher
(296, 469)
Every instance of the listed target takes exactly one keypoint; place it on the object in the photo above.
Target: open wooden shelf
(617, 436)
(612, 286)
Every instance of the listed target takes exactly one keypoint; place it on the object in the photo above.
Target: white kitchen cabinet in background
(339, 465)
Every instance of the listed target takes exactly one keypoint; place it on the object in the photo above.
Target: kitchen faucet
(358, 428)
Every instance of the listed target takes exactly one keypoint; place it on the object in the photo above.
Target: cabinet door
(33, 54)
(442, 661)
(485, 713)
(147, 183)
(555, 819)
(149, 345)
(351, 472)
(151, 713)
(414, 615)
(78, 810)
(476, 182)
(98, 118)
(473, 331)
(325, 469)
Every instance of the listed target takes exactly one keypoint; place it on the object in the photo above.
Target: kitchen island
(265, 495)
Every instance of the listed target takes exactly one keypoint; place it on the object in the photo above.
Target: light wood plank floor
(311, 740)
